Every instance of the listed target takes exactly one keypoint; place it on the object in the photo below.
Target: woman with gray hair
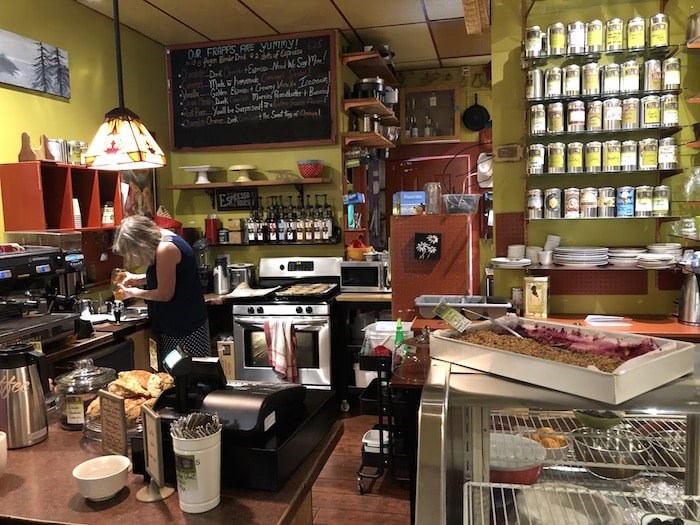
(170, 286)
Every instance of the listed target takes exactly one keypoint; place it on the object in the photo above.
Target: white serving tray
(674, 359)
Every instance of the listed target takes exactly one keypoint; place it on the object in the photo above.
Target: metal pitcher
(689, 301)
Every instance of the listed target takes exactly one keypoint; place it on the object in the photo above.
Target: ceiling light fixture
(122, 142)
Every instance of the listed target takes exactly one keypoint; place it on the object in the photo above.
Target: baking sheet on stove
(243, 290)
(307, 289)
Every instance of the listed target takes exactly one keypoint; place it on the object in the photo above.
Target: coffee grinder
(202, 254)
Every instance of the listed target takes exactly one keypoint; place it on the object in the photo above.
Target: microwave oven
(365, 276)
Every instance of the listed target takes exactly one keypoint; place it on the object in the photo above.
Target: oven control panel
(281, 309)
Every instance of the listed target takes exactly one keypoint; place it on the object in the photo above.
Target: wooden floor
(335, 495)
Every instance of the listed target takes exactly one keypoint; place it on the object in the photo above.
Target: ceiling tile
(452, 40)
(443, 9)
(216, 20)
(381, 12)
(298, 15)
(409, 42)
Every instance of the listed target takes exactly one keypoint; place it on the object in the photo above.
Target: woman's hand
(133, 279)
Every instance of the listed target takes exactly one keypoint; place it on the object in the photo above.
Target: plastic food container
(515, 459)
(79, 387)
(480, 304)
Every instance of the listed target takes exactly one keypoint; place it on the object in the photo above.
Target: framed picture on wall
(139, 192)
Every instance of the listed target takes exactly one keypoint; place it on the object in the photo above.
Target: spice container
(594, 115)
(576, 116)
(588, 203)
(591, 78)
(611, 155)
(643, 201)
(606, 202)
(572, 80)
(538, 120)
(574, 157)
(533, 42)
(624, 201)
(535, 203)
(612, 114)
(552, 203)
(611, 78)
(533, 87)
(669, 110)
(555, 117)
(668, 153)
(552, 82)
(572, 197)
(576, 38)
(628, 155)
(79, 387)
(658, 30)
(630, 113)
(652, 75)
(636, 33)
(651, 111)
(648, 154)
(594, 36)
(614, 35)
(108, 214)
(671, 73)
(661, 201)
(555, 157)
(629, 76)
(535, 159)
(556, 39)
(593, 157)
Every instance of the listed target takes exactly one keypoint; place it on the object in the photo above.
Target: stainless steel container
(555, 157)
(612, 114)
(240, 273)
(538, 119)
(533, 42)
(668, 154)
(629, 76)
(653, 74)
(575, 116)
(628, 155)
(658, 31)
(572, 80)
(630, 113)
(611, 155)
(552, 203)
(555, 117)
(553, 82)
(643, 201)
(556, 39)
(671, 73)
(594, 115)
(576, 38)
(594, 36)
(590, 78)
(588, 202)
(651, 111)
(574, 157)
(636, 33)
(572, 197)
(534, 87)
(535, 203)
(661, 201)
(610, 74)
(535, 159)
(614, 35)
(606, 202)
(648, 154)
(593, 158)
(669, 110)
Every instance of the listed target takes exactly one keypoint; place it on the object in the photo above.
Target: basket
(461, 202)
(310, 169)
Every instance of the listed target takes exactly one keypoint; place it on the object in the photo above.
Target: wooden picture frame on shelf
(139, 192)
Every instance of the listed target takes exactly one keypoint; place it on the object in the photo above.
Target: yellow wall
(88, 38)
(509, 178)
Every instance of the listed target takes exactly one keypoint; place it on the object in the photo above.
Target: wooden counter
(655, 326)
(363, 297)
(38, 485)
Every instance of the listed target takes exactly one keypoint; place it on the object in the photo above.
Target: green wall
(509, 178)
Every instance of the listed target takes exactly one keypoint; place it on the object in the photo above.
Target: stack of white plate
(656, 261)
(580, 256)
(624, 256)
(504, 262)
(673, 248)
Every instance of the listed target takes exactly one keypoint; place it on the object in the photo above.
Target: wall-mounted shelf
(662, 174)
(601, 96)
(251, 183)
(591, 219)
(659, 131)
(370, 64)
(621, 54)
(370, 106)
(366, 138)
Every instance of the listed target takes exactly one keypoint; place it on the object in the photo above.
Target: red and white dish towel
(282, 348)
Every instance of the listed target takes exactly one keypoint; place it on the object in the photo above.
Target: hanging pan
(476, 116)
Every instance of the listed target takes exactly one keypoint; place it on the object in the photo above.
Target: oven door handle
(254, 322)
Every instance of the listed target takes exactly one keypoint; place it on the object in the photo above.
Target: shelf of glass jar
(661, 173)
(653, 132)
(605, 96)
(646, 52)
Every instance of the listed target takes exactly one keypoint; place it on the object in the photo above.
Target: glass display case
(644, 465)
(429, 114)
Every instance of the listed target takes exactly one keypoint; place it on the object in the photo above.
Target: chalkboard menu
(266, 92)
(236, 199)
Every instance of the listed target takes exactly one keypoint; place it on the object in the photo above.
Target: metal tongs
(493, 321)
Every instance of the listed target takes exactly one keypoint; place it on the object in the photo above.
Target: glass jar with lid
(79, 388)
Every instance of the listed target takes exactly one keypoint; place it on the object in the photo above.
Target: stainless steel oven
(305, 288)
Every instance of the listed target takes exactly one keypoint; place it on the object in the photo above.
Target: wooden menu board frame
(269, 92)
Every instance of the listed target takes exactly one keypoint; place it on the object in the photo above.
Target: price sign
(113, 423)
(153, 445)
(236, 199)
(452, 316)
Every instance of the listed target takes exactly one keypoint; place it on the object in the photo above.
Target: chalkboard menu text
(236, 199)
(266, 92)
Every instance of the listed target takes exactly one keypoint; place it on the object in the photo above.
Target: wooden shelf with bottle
(366, 138)
(370, 106)
(251, 183)
(429, 114)
(370, 64)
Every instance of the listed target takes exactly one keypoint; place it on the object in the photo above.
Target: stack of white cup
(532, 253)
(516, 252)
(545, 256)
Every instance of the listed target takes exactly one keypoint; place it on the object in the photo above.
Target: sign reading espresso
(264, 92)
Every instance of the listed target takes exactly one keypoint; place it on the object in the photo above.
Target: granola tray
(672, 359)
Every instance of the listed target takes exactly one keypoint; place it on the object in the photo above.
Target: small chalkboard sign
(236, 199)
(113, 423)
(275, 91)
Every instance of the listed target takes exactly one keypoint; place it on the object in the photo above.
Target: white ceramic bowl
(101, 478)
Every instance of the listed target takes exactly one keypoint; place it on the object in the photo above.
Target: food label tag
(452, 316)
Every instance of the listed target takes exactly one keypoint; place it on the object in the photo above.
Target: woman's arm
(167, 257)
(134, 279)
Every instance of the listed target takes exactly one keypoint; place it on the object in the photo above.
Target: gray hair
(136, 240)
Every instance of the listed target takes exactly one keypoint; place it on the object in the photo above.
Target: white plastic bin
(382, 333)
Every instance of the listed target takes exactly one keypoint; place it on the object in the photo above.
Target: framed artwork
(139, 192)
(427, 246)
(34, 65)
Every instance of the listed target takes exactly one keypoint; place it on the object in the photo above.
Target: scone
(93, 409)
(158, 383)
(126, 386)
(142, 376)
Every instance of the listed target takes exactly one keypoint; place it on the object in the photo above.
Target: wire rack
(621, 475)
